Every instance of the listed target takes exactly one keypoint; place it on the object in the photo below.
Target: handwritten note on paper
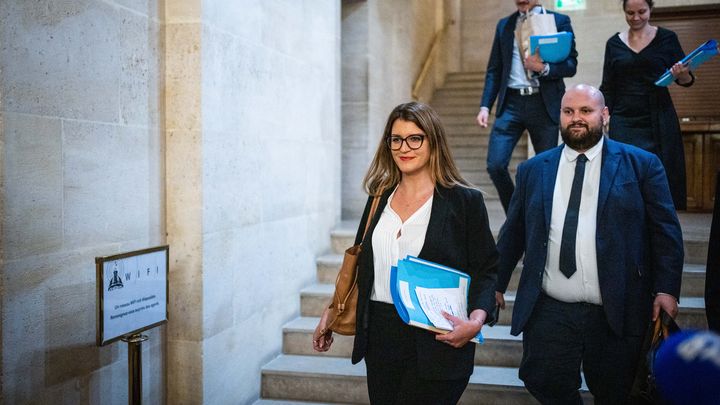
(434, 301)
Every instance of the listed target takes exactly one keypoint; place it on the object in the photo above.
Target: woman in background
(426, 210)
(641, 113)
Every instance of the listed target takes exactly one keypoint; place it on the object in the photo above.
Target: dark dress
(641, 113)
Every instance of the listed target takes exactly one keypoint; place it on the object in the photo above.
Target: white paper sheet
(434, 301)
(405, 295)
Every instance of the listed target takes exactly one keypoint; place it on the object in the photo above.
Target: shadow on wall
(71, 351)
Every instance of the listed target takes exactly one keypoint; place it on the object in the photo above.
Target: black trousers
(560, 338)
(391, 361)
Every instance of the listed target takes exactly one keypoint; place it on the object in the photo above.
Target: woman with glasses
(426, 210)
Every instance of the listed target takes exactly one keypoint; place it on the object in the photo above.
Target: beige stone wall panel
(184, 229)
(182, 77)
(270, 107)
(105, 173)
(182, 11)
(184, 371)
(233, 194)
(478, 23)
(64, 59)
(32, 216)
(81, 172)
(263, 105)
(139, 82)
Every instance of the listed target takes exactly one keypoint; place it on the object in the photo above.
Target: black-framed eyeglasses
(414, 141)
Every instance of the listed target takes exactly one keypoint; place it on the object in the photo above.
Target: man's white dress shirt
(583, 286)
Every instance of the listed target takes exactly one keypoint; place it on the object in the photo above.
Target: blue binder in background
(694, 59)
(411, 273)
(553, 48)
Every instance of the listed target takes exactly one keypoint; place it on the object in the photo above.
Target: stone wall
(384, 44)
(82, 175)
(271, 176)
(122, 121)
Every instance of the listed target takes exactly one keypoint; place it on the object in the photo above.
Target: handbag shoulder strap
(371, 215)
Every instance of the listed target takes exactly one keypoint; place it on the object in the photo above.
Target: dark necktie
(569, 234)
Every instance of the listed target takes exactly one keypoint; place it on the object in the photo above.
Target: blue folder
(694, 59)
(413, 272)
(553, 48)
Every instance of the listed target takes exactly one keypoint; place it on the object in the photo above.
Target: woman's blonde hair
(383, 173)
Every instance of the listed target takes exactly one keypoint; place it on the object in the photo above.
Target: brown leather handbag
(341, 317)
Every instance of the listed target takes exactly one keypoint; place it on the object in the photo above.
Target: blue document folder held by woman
(422, 289)
(693, 59)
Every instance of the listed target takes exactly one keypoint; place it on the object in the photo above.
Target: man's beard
(583, 141)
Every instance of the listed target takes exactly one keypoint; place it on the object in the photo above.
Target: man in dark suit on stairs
(603, 254)
(528, 92)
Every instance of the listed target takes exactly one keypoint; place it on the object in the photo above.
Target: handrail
(430, 58)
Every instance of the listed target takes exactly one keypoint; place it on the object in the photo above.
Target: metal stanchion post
(135, 367)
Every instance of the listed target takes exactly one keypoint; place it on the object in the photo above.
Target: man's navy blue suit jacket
(497, 76)
(638, 238)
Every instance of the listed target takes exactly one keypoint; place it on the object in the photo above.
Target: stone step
(459, 117)
(466, 129)
(465, 76)
(481, 150)
(480, 179)
(446, 99)
(462, 134)
(464, 141)
(469, 165)
(500, 348)
(462, 119)
(451, 120)
(447, 93)
(343, 236)
(335, 379)
(696, 233)
(490, 194)
(693, 281)
(447, 110)
(476, 85)
(315, 298)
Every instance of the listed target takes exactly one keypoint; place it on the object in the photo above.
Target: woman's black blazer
(458, 236)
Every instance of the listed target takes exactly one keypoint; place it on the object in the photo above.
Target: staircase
(300, 375)
(458, 103)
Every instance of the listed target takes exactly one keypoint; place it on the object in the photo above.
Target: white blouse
(388, 248)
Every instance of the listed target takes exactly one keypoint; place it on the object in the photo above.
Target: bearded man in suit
(603, 254)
